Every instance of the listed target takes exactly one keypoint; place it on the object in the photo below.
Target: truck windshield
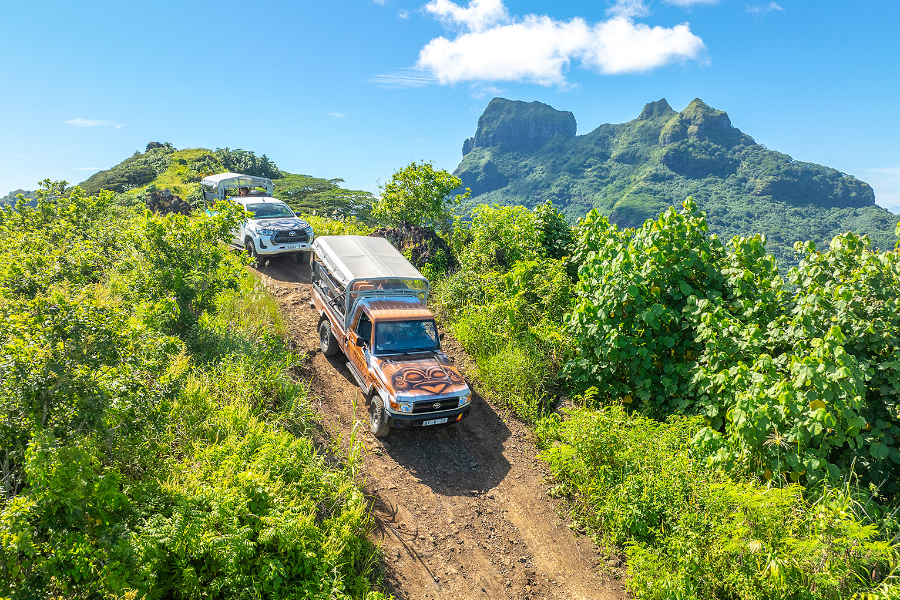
(405, 336)
(269, 210)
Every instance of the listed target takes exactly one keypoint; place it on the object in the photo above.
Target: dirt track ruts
(462, 511)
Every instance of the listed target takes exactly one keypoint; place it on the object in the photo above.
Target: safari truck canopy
(367, 267)
(214, 186)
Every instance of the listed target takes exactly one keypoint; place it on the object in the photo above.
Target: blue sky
(359, 89)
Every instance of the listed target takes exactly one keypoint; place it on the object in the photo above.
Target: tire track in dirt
(462, 510)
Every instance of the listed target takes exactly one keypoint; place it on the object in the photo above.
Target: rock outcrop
(164, 202)
(513, 125)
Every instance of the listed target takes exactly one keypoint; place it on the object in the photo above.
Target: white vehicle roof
(239, 180)
(351, 257)
(233, 180)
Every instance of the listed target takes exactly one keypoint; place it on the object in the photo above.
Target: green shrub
(343, 226)
(692, 532)
(140, 464)
(796, 385)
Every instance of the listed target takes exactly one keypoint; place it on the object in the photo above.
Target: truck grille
(426, 407)
(284, 237)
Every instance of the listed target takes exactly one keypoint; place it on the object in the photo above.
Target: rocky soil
(462, 511)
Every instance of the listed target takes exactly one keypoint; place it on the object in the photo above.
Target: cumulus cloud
(88, 123)
(761, 10)
(479, 15)
(540, 49)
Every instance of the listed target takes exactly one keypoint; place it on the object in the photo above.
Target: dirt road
(463, 511)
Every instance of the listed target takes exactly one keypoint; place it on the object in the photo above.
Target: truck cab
(272, 229)
(372, 307)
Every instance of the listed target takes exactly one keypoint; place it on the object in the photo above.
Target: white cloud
(88, 123)
(539, 49)
(628, 9)
(761, 10)
(403, 14)
(887, 171)
(404, 78)
(689, 3)
(335, 114)
(479, 15)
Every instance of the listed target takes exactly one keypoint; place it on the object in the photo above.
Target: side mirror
(360, 342)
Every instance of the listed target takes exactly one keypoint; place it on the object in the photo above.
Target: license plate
(291, 247)
(435, 421)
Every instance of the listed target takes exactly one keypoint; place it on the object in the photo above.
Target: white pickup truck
(273, 229)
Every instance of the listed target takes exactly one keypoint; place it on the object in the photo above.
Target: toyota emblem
(292, 234)
(436, 405)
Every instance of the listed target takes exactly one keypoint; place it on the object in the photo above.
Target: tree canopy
(421, 195)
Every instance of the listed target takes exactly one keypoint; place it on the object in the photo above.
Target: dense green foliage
(633, 171)
(421, 195)
(740, 440)
(692, 532)
(802, 382)
(323, 197)
(246, 162)
(506, 302)
(133, 172)
(154, 443)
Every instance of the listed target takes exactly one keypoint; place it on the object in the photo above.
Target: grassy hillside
(181, 171)
(633, 171)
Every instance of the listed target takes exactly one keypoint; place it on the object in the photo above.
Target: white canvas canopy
(368, 267)
(214, 186)
(351, 257)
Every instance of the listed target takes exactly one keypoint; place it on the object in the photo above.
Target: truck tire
(377, 423)
(250, 247)
(327, 341)
(303, 258)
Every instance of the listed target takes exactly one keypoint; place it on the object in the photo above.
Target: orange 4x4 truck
(372, 307)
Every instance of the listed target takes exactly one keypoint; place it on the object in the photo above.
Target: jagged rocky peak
(660, 108)
(516, 125)
(700, 122)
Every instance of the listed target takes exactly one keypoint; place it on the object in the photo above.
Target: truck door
(360, 329)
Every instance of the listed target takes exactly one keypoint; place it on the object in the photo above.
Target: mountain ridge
(633, 171)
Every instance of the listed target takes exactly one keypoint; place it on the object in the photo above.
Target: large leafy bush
(798, 382)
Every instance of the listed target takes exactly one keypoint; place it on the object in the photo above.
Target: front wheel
(250, 247)
(327, 341)
(377, 423)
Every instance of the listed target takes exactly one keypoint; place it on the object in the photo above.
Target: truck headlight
(463, 400)
(264, 231)
(406, 407)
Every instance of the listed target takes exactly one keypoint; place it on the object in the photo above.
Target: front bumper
(266, 248)
(408, 421)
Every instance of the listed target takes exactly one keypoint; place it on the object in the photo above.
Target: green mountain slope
(527, 153)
